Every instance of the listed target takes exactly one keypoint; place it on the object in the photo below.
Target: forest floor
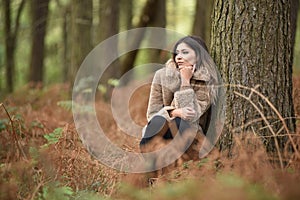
(42, 157)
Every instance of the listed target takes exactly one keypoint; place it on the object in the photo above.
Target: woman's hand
(186, 113)
(186, 73)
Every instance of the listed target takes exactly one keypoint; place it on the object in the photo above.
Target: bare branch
(268, 124)
(14, 131)
(275, 110)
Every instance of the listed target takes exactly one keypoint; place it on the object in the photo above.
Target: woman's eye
(185, 52)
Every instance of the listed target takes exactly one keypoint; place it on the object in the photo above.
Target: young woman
(180, 98)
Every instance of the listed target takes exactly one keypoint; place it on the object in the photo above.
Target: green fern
(67, 105)
(53, 137)
(54, 191)
(3, 124)
(70, 105)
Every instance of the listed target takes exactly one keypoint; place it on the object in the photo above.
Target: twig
(283, 135)
(238, 128)
(275, 110)
(36, 189)
(268, 124)
(40, 184)
(14, 131)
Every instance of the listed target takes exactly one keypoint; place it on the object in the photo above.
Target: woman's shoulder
(168, 70)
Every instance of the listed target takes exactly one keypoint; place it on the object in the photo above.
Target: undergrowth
(42, 158)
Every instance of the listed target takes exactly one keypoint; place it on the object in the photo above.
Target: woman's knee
(157, 125)
(182, 125)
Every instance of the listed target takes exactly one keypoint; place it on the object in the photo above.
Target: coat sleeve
(156, 105)
(198, 99)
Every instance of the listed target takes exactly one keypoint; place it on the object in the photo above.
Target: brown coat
(167, 95)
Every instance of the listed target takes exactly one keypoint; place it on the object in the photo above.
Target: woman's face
(185, 56)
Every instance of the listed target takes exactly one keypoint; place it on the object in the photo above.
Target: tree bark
(109, 12)
(126, 14)
(65, 13)
(294, 17)
(39, 11)
(145, 19)
(159, 20)
(202, 21)
(10, 34)
(81, 35)
(66, 42)
(253, 48)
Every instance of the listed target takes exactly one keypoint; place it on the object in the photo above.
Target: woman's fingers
(186, 72)
(188, 113)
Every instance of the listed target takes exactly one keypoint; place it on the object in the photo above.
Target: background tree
(109, 13)
(81, 34)
(202, 20)
(65, 14)
(126, 14)
(159, 20)
(63, 47)
(11, 34)
(251, 44)
(146, 17)
(39, 16)
(294, 17)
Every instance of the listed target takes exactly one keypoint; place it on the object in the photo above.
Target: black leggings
(158, 124)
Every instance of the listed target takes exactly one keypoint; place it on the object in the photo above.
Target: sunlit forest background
(179, 17)
(42, 45)
(179, 14)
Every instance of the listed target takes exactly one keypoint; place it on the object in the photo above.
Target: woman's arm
(190, 103)
(155, 99)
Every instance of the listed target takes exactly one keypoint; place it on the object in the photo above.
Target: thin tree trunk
(109, 26)
(202, 21)
(158, 21)
(81, 34)
(145, 19)
(126, 14)
(253, 48)
(65, 11)
(39, 10)
(66, 41)
(10, 34)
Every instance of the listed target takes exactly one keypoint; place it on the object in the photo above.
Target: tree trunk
(10, 34)
(81, 35)
(39, 11)
(126, 14)
(159, 20)
(66, 42)
(252, 48)
(109, 26)
(145, 19)
(65, 12)
(202, 21)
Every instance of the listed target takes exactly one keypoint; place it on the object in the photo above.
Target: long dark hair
(204, 60)
(196, 43)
